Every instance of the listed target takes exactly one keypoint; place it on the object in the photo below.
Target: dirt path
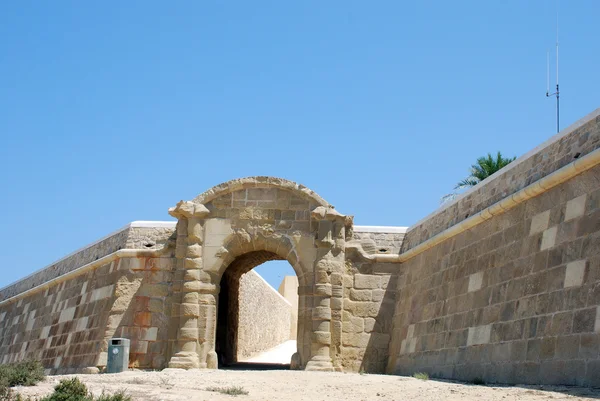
(172, 384)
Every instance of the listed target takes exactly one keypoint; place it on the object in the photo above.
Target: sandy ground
(172, 384)
(280, 354)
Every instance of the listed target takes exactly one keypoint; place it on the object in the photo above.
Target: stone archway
(274, 217)
(245, 251)
(229, 308)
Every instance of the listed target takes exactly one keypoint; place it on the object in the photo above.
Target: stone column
(327, 294)
(302, 355)
(208, 296)
(337, 285)
(189, 258)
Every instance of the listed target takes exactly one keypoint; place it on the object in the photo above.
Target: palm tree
(485, 167)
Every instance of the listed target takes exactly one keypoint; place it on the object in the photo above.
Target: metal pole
(557, 110)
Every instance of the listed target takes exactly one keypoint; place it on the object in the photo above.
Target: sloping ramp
(281, 354)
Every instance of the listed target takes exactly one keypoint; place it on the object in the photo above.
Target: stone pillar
(337, 286)
(189, 351)
(208, 297)
(300, 358)
(327, 293)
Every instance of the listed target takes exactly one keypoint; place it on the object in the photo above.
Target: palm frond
(467, 183)
(482, 169)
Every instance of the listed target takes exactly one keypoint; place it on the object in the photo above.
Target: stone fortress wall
(500, 284)
(512, 294)
(64, 314)
(119, 286)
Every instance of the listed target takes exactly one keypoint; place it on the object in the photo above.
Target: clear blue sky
(113, 111)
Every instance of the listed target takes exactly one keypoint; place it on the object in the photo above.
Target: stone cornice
(122, 253)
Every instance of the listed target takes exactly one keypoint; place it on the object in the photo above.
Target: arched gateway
(241, 224)
(473, 282)
(170, 287)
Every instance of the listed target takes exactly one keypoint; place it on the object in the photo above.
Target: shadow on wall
(366, 336)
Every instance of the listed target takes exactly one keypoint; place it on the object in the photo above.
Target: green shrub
(74, 390)
(26, 373)
(69, 390)
(118, 396)
(421, 376)
(29, 373)
(5, 391)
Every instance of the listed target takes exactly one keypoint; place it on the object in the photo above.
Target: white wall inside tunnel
(262, 324)
(281, 276)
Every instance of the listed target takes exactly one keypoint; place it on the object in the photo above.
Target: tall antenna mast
(557, 93)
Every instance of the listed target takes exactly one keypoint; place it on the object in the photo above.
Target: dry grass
(231, 390)
(421, 376)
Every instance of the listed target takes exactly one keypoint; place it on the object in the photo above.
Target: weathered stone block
(548, 238)
(156, 305)
(562, 324)
(360, 295)
(378, 295)
(574, 273)
(189, 333)
(360, 340)
(369, 324)
(82, 323)
(149, 333)
(533, 349)
(189, 310)
(584, 320)
(154, 290)
(547, 348)
(101, 293)
(567, 347)
(539, 222)
(562, 372)
(138, 347)
(527, 373)
(575, 207)
(365, 281)
(479, 335)
(355, 325)
(67, 315)
(362, 309)
(501, 352)
(588, 224)
(589, 346)
(475, 281)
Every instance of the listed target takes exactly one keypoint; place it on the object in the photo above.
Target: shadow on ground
(572, 391)
(256, 366)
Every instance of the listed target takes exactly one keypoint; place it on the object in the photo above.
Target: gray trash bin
(118, 355)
